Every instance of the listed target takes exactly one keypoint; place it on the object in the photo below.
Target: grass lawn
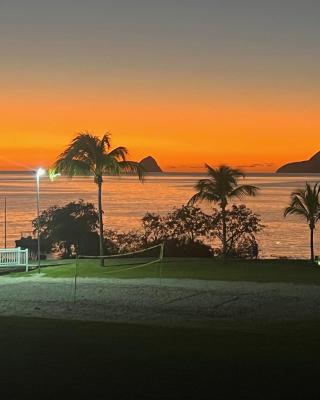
(51, 358)
(257, 271)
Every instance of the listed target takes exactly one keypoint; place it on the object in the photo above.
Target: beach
(165, 302)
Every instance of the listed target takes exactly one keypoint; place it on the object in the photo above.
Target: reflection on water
(126, 200)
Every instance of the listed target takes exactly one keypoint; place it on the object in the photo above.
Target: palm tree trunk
(311, 242)
(224, 233)
(101, 239)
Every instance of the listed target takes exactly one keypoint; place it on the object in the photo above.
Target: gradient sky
(187, 81)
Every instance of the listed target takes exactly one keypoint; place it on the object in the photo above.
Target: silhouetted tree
(73, 226)
(88, 155)
(189, 232)
(123, 242)
(306, 203)
(182, 230)
(241, 226)
(220, 187)
(186, 223)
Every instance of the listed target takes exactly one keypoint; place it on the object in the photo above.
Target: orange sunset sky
(211, 82)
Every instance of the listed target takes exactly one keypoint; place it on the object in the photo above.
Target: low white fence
(14, 258)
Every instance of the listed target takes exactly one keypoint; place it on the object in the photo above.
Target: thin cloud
(256, 165)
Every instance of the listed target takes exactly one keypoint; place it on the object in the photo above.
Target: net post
(160, 264)
(162, 251)
(27, 259)
(75, 279)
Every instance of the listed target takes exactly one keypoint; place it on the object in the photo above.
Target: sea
(126, 200)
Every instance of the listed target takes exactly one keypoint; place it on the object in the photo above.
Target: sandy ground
(154, 301)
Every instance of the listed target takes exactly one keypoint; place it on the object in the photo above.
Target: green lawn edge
(286, 271)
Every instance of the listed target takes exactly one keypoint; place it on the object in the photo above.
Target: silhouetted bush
(177, 248)
(242, 226)
(188, 232)
(187, 224)
(181, 231)
(70, 229)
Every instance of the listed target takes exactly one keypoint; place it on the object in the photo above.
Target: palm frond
(105, 144)
(244, 190)
(195, 199)
(88, 155)
(72, 167)
(203, 196)
(119, 153)
(305, 202)
(132, 167)
(221, 185)
(225, 172)
(291, 210)
(109, 166)
(83, 147)
(205, 184)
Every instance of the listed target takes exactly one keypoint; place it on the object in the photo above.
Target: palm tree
(88, 155)
(220, 187)
(306, 203)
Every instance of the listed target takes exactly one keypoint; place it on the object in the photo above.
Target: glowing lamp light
(40, 172)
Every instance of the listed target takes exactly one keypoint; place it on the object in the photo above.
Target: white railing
(14, 258)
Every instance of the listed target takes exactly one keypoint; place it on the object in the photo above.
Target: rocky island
(150, 165)
(309, 166)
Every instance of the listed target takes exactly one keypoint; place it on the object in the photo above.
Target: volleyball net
(124, 261)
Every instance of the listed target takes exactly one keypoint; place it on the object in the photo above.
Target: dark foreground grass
(299, 271)
(49, 359)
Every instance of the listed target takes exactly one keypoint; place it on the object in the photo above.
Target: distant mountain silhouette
(150, 165)
(309, 166)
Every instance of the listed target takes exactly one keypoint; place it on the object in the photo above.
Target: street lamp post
(5, 222)
(40, 172)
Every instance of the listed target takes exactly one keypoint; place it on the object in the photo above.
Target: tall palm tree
(306, 203)
(220, 187)
(88, 155)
